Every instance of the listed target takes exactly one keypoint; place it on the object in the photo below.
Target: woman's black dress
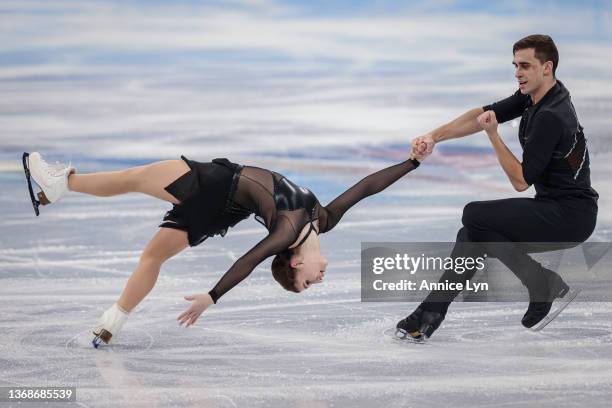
(217, 195)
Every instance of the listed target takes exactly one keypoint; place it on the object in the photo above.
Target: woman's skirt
(206, 194)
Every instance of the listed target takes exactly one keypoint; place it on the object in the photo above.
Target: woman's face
(310, 266)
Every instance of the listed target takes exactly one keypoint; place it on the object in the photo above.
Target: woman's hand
(488, 121)
(200, 303)
(422, 147)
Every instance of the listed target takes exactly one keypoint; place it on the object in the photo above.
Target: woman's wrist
(415, 162)
(212, 294)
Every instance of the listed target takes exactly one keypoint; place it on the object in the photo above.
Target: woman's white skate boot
(109, 325)
(51, 178)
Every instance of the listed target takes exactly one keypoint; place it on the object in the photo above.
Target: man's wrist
(437, 136)
(493, 134)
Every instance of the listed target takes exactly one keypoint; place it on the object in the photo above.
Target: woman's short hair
(283, 272)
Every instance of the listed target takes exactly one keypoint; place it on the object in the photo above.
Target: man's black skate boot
(420, 325)
(542, 296)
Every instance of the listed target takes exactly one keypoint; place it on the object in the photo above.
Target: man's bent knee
(463, 235)
(470, 216)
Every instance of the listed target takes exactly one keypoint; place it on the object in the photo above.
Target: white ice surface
(262, 346)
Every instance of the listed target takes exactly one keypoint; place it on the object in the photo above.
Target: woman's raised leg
(149, 179)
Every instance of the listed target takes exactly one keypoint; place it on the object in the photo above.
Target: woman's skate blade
(26, 168)
(103, 336)
(42, 198)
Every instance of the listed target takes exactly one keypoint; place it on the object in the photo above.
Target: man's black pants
(523, 225)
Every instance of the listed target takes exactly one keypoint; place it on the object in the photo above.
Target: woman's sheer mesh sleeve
(372, 184)
(279, 239)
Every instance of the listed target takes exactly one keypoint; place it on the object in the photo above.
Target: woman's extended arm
(279, 239)
(282, 236)
(372, 184)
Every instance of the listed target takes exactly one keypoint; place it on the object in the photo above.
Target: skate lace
(57, 169)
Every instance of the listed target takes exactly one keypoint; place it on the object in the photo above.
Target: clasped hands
(423, 146)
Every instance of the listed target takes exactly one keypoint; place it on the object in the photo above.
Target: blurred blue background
(300, 86)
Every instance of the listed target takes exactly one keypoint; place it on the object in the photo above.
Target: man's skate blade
(560, 304)
(26, 169)
(403, 337)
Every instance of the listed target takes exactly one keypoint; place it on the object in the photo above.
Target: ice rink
(325, 100)
(262, 346)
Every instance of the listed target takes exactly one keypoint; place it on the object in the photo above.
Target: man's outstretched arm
(464, 125)
(467, 124)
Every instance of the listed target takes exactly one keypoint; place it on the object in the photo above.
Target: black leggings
(520, 224)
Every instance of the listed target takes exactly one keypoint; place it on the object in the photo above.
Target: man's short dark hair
(544, 48)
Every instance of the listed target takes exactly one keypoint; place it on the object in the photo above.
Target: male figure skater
(555, 161)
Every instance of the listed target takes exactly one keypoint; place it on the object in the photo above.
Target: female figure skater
(207, 199)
